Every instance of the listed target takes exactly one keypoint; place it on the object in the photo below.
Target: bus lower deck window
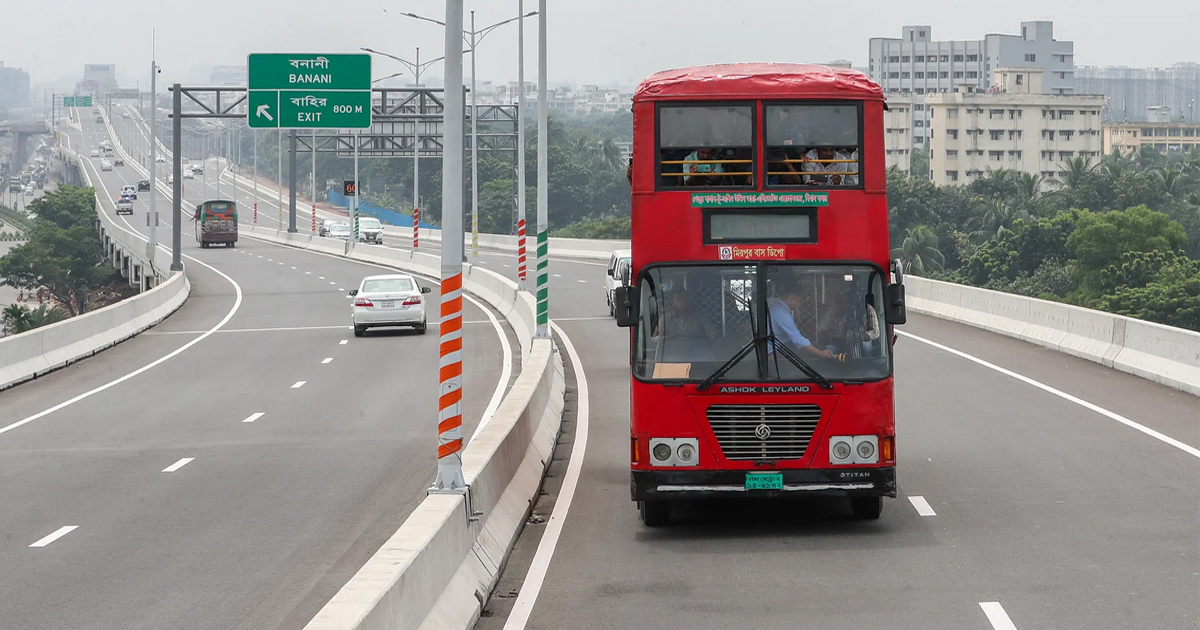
(706, 145)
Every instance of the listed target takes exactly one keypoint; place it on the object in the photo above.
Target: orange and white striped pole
(314, 218)
(521, 255)
(416, 226)
(450, 393)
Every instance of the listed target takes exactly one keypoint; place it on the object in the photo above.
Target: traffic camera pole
(543, 199)
(177, 184)
(450, 395)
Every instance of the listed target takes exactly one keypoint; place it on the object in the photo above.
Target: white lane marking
(254, 416)
(281, 264)
(322, 278)
(326, 360)
(995, 614)
(507, 266)
(260, 256)
(519, 616)
(58, 533)
(243, 330)
(341, 289)
(581, 319)
(270, 260)
(923, 507)
(1187, 448)
(308, 273)
(298, 384)
(581, 281)
(556, 275)
(293, 267)
(237, 303)
(343, 342)
(179, 464)
(331, 282)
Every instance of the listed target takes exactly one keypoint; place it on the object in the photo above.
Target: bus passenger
(783, 171)
(684, 320)
(696, 164)
(813, 163)
(781, 310)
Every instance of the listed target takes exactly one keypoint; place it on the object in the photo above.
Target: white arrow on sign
(264, 110)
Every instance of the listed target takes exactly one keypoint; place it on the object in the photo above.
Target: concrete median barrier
(1163, 354)
(34, 353)
(438, 569)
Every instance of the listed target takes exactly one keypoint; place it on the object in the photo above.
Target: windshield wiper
(795, 360)
(726, 366)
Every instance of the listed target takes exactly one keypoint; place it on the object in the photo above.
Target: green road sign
(68, 101)
(276, 71)
(309, 91)
(83, 101)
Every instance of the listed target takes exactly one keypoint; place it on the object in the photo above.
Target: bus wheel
(655, 513)
(866, 508)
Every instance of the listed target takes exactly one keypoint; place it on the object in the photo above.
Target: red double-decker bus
(763, 293)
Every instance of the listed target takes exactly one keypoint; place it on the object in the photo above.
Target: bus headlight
(866, 449)
(840, 449)
(674, 451)
(685, 452)
(660, 452)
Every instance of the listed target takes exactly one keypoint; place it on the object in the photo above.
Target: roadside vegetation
(1121, 234)
(62, 256)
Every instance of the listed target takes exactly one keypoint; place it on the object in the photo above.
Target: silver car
(388, 300)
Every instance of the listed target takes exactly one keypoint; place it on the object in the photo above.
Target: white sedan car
(388, 300)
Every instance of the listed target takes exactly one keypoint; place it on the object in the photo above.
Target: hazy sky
(591, 41)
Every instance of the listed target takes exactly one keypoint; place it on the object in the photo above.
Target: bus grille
(749, 432)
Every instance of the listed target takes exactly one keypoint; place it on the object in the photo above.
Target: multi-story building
(1013, 125)
(1132, 92)
(916, 64)
(14, 87)
(1163, 135)
(897, 132)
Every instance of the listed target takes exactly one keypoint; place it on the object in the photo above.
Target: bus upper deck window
(813, 145)
(706, 145)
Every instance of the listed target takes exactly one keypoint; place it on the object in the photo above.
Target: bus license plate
(764, 481)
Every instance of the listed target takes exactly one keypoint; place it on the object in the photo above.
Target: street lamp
(472, 38)
(416, 68)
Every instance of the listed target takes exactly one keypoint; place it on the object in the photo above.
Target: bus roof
(758, 80)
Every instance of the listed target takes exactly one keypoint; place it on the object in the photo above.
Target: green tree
(1157, 286)
(918, 165)
(18, 319)
(496, 206)
(919, 251)
(1100, 240)
(1073, 171)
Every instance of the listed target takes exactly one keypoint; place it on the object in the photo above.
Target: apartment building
(1164, 136)
(916, 64)
(1132, 92)
(1012, 125)
(14, 87)
(897, 132)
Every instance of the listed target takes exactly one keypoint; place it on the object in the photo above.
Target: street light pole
(450, 395)
(153, 242)
(474, 152)
(521, 121)
(543, 198)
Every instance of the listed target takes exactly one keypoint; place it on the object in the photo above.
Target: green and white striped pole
(543, 258)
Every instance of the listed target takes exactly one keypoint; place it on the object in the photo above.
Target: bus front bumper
(695, 484)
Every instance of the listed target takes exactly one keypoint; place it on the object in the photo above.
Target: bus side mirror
(894, 309)
(625, 300)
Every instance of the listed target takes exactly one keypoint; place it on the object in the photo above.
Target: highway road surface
(1037, 491)
(231, 467)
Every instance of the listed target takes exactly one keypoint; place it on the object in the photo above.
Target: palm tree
(16, 319)
(996, 219)
(45, 315)
(1029, 186)
(1147, 157)
(1115, 164)
(610, 154)
(555, 134)
(1074, 169)
(919, 250)
(1174, 181)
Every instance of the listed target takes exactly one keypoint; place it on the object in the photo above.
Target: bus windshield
(696, 318)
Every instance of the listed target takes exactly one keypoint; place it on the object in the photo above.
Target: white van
(619, 269)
